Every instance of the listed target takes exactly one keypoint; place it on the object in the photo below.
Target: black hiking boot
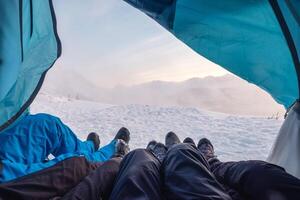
(94, 137)
(171, 139)
(151, 145)
(159, 150)
(123, 134)
(206, 148)
(189, 140)
(122, 148)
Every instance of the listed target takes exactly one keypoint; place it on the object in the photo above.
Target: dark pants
(186, 175)
(138, 178)
(98, 184)
(73, 178)
(183, 174)
(49, 182)
(257, 180)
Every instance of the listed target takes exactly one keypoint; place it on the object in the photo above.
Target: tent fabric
(291, 13)
(286, 150)
(26, 146)
(29, 46)
(258, 40)
(248, 38)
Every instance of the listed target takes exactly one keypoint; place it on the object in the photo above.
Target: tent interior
(259, 42)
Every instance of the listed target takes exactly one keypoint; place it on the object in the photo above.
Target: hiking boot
(94, 137)
(189, 140)
(159, 150)
(171, 139)
(151, 144)
(123, 134)
(206, 148)
(121, 148)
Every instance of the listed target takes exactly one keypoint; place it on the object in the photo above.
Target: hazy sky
(111, 43)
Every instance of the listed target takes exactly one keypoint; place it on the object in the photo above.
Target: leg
(98, 184)
(36, 136)
(106, 152)
(61, 138)
(103, 154)
(50, 182)
(257, 180)
(186, 175)
(11, 170)
(138, 177)
(16, 164)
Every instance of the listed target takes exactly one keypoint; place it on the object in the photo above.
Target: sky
(111, 43)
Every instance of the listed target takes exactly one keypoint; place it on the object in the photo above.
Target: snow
(234, 137)
(201, 93)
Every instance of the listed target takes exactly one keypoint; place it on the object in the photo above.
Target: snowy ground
(234, 137)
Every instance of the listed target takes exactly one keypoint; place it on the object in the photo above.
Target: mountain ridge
(227, 94)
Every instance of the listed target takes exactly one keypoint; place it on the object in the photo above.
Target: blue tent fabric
(29, 46)
(26, 146)
(289, 17)
(291, 12)
(258, 40)
(245, 37)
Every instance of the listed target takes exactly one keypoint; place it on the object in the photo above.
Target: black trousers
(48, 183)
(138, 177)
(257, 180)
(184, 174)
(73, 178)
(98, 184)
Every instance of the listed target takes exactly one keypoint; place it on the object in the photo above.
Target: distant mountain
(227, 94)
(70, 84)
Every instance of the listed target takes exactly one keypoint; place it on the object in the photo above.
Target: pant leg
(187, 176)
(12, 170)
(54, 181)
(98, 184)
(34, 137)
(138, 178)
(67, 141)
(258, 180)
(103, 154)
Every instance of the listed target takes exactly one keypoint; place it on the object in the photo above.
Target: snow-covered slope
(234, 137)
(226, 94)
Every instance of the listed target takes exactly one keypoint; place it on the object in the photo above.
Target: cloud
(111, 43)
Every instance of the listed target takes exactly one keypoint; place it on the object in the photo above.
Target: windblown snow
(234, 137)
